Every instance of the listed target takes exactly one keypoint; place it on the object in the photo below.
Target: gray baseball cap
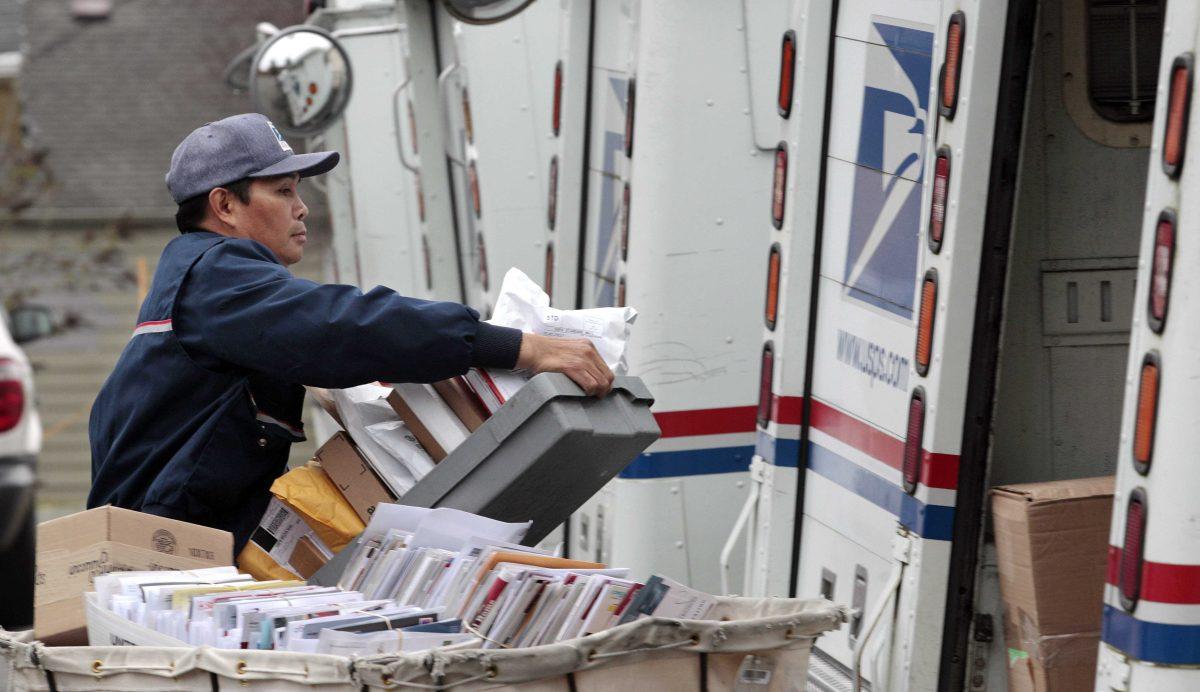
(240, 146)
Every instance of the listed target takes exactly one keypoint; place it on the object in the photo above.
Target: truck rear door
(905, 181)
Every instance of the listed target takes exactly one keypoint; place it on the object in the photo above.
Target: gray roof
(10, 26)
(109, 99)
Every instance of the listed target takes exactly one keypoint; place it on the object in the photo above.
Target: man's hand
(575, 358)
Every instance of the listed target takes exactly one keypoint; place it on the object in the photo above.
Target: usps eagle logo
(882, 253)
(278, 136)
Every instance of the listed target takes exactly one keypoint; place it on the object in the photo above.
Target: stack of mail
(220, 608)
(511, 599)
(420, 578)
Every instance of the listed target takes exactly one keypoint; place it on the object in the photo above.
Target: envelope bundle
(420, 579)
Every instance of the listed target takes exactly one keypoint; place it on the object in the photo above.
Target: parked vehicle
(886, 256)
(20, 443)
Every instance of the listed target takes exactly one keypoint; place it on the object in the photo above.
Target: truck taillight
(428, 262)
(911, 469)
(621, 293)
(556, 113)
(1129, 576)
(1179, 105)
(765, 376)
(552, 203)
(1147, 413)
(787, 73)
(12, 395)
(625, 223)
(412, 127)
(956, 35)
(468, 125)
(941, 193)
(483, 265)
(779, 186)
(549, 282)
(924, 350)
(630, 101)
(473, 183)
(773, 269)
(1160, 269)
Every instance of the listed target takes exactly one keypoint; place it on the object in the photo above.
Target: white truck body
(788, 418)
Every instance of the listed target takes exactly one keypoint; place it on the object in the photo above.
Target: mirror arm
(242, 61)
(400, 128)
(369, 30)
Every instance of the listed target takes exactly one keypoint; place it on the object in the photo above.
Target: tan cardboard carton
(1052, 547)
(435, 425)
(72, 550)
(463, 400)
(352, 475)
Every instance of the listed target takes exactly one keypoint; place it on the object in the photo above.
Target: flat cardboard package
(463, 400)
(73, 549)
(436, 426)
(1052, 547)
(352, 475)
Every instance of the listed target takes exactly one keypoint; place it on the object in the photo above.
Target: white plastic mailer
(750, 644)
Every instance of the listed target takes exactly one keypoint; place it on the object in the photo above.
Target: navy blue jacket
(197, 418)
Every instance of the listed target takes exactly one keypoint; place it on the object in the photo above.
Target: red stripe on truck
(707, 421)
(1162, 582)
(937, 470)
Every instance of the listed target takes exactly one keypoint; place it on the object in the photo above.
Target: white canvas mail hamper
(763, 644)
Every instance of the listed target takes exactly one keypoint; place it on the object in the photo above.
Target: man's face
(274, 217)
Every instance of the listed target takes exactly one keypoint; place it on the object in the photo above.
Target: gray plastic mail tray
(543, 454)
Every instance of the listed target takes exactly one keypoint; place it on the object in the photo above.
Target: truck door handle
(403, 86)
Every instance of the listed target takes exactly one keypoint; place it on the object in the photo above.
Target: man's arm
(237, 305)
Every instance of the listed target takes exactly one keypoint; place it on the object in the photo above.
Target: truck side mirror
(31, 322)
(301, 80)
(484, 11)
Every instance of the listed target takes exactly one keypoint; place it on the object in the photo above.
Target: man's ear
(221, 204)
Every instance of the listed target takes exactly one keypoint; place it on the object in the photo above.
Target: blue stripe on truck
(779, 451)
(1151, 642)
(929, 521)
(691, 462)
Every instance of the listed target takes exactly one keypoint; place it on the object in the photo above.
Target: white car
(20, 443)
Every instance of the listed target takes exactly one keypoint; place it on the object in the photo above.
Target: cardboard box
(1052, 547)
(463, 400)
(72, 550)
(434, 423)
(352, 475)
